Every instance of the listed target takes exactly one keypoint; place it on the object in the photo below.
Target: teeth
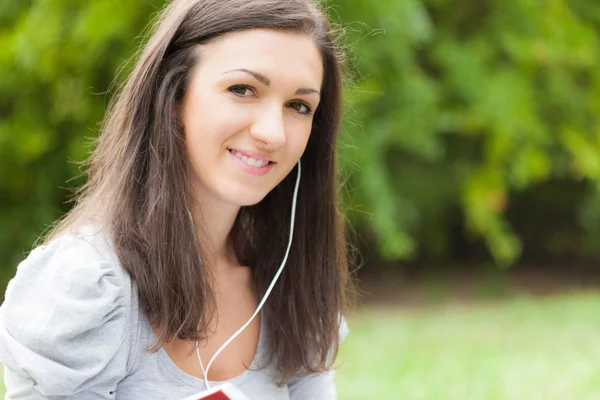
(253, 162)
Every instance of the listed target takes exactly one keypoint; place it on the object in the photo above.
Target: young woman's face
(248, 112)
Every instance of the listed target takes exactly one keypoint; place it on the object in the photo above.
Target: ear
(177, 114)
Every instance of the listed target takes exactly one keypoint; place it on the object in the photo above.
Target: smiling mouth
(250, 161)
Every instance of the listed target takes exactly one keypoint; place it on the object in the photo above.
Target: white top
(70, 326)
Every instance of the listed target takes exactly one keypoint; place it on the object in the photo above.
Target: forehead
(283, 56)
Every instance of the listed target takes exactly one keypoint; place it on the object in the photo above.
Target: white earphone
(268, 291)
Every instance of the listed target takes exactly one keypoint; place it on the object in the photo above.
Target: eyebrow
(267, 82)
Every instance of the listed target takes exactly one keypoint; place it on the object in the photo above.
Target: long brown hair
(138, 185)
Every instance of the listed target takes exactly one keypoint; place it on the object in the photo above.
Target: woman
(223, 135)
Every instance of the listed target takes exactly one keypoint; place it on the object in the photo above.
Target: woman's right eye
(241, 90)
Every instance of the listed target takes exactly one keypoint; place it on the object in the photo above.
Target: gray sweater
(71, 327)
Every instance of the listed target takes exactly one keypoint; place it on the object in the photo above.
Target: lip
(251, 170)
(254, 154)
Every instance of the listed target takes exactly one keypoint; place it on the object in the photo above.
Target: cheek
(212, 124)
(297, 139)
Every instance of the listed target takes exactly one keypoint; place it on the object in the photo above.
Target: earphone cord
(268, 291)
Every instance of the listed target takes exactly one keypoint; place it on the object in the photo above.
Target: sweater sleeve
(62, 324)
(318, 386)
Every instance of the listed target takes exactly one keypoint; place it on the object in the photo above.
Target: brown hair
(139, 168)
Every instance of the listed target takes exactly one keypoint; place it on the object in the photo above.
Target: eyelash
(246, 87)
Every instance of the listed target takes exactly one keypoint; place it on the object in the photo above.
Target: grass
(526, 348)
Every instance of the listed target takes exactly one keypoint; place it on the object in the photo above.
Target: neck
(213, 221)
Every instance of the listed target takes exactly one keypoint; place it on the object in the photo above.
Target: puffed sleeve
(318, 386)
(62, 324)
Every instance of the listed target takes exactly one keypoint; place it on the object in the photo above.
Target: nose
(269, 128)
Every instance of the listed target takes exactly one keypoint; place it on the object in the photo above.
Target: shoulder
(77, 272)
(319, 386)
(344, 329)
(65, 313)
(80, 253)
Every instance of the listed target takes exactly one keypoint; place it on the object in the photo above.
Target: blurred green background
(470, 156)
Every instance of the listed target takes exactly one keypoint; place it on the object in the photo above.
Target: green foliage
(461, 105)
(57, 60)
(457, 107)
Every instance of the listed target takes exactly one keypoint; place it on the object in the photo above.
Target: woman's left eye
(241, 90)
(301, 107)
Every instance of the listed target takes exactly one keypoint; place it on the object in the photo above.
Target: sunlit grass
(542, 348)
